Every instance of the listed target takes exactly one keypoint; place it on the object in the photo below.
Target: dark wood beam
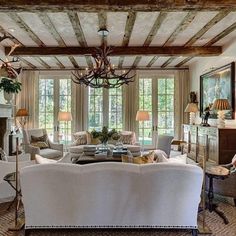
(51, 28)
(128, 31)
(116, 5)
(209, 25)
(156, 26)
(166, 63)
(180, 28)
(184, 61)
(154, 59)
(73, 61)
(222, 35)
(26, 28)
(118, 51)
(60, 65)
(30, 65)
(42, 62)
(136, 61)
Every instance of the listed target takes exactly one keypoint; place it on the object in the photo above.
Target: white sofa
(111, 194)
(134, 148)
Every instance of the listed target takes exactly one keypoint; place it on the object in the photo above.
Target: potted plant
(9, 87)
(105, 135)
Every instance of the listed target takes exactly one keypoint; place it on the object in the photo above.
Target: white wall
(203, 65)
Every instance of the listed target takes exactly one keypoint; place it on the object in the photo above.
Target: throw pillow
(43, 138)
(182, 159)
(147, 158)
(80, 138)
(39, 144)
(126, 138)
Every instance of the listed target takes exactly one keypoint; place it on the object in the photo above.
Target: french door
(55, 93)
(156, 95)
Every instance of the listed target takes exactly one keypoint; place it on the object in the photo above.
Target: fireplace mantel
(5, 110)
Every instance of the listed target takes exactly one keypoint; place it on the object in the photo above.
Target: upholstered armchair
(53, 151)
(164, 143)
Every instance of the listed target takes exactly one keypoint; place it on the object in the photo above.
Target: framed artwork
(218, 83)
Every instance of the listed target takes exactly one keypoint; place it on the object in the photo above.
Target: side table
(215, 172)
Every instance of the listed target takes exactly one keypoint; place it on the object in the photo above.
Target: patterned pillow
(39, 144)
(126, 138)
(43, 138)
(41, 141)
(80, 138)
(147, 158)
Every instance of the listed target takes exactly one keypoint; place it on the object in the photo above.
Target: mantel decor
(102, 74)
(218, 84)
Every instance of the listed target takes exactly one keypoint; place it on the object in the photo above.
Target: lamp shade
(22, 112)
(191, 107)
(64, 116)
(142, 116)
(221, 104)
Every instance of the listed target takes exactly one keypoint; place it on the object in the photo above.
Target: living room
(135, 94)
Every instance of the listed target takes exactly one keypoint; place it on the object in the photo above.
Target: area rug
(214, 222)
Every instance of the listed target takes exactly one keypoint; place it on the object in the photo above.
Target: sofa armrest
(56, 146)
(136, 144)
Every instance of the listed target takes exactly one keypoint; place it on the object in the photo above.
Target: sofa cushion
(50, 153)
(39, 144)
(76, 149)
(182, 159)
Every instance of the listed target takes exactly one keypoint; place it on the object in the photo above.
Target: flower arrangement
(10, 86)
(105, 134)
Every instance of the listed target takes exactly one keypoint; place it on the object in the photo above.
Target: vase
(8, 97)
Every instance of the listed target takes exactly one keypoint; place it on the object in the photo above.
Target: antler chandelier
(6, 68)
(102, 74)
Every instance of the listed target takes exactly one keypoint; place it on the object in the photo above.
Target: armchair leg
(235, 202)
(194, 232)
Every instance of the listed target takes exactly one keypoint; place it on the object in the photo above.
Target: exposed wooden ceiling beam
(156, 26)
(180, 28)
(152, 61)
(42, 62)
(168, 62)
(26, 28)
(59, 63)
(73, 61)
(209, 25)
(136, 61)
(221, 15)
(128, 31)
(51, 28)
(222, 35)
(184, 61)
(30, 65)
(75, 22)
(116, 5)
(118, 51)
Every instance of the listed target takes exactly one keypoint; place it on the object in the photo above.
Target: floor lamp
(23, 114)
(65, 116)
(142, 116)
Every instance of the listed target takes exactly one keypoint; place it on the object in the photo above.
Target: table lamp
(65, 116)
(142, 116)
(221, 105)
(23, 114)
(192, 108)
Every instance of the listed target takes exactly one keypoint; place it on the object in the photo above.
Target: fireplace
(6, 121)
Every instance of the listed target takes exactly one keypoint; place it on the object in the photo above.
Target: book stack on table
(90, 150)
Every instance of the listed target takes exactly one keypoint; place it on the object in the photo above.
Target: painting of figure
(217, 84)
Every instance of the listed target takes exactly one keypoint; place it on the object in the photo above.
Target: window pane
(115, 109)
